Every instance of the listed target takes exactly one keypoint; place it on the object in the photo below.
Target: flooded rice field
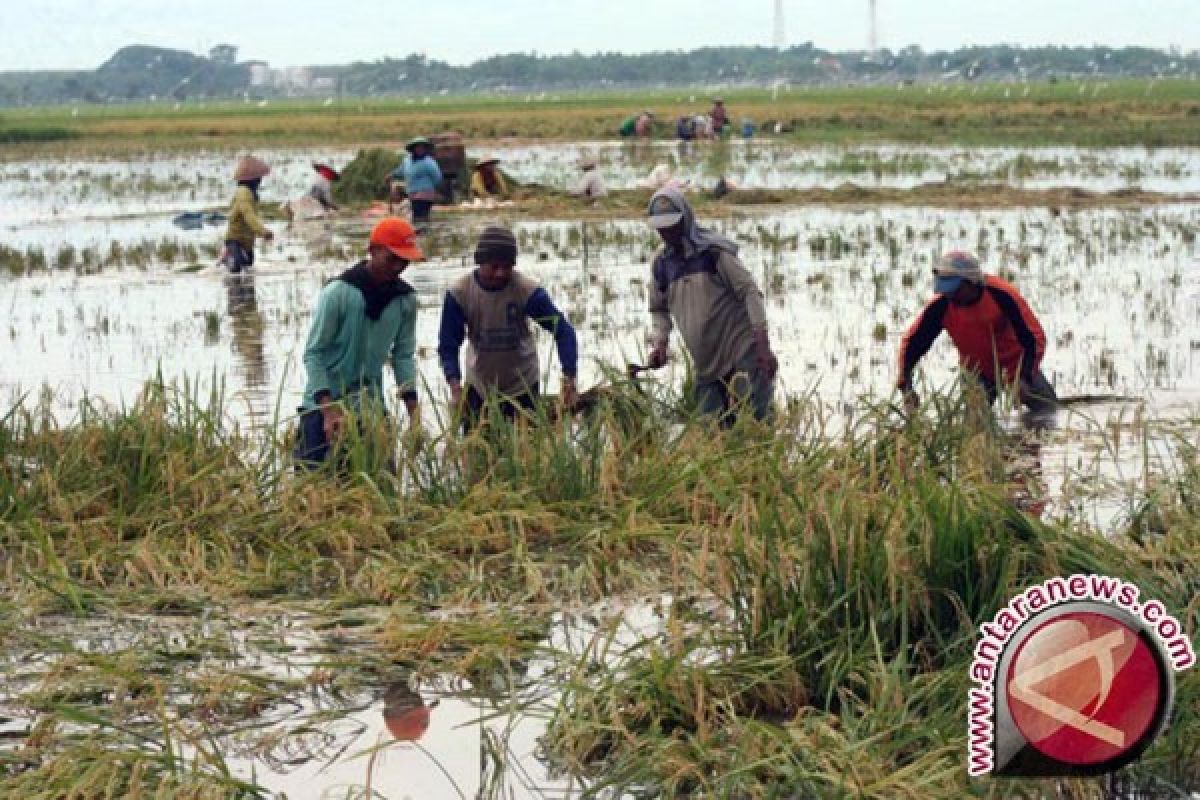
(1118, 290)
(411, 699)
(39, 192)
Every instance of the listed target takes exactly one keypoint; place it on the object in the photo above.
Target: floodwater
(45, 191)
(1118, 292)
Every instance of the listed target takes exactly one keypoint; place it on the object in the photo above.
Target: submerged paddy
(627, 606)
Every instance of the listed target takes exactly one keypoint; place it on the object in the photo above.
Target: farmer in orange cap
(996, 333)
(365, 317)
(244, 225)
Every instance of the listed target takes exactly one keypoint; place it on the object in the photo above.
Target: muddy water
(1118, 292)
(312, 709)
(37, 192)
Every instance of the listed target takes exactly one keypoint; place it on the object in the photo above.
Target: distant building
(260, 73)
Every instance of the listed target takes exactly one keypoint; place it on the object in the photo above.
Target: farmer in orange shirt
(997, 335)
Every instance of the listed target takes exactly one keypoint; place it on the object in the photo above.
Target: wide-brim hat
(419, 140)
(399, 236)
(326, 171)
(249, 168)
(587, 163)
(486, 160)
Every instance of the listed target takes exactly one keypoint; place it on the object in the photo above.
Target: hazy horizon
(78, 35)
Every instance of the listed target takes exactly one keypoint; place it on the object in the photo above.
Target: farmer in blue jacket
(422, 176)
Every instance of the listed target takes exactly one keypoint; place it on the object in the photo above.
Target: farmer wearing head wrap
(244, 225)
(997, 335)
(365, 317)
(700, 284)
(490, 308)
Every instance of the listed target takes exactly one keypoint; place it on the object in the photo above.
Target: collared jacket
(346, 350)
(999, 330)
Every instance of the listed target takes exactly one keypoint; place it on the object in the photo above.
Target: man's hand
(333, 420)
(657, 357)
(456, 395)
(911, 399)
(764, 359)
(569, 396)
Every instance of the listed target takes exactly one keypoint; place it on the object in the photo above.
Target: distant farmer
(421, 176)
(719, 115)
(491, 308)
(318, 201)
(699, 283)
(997, 335)
(365, 317)
(244, 225)
(685, 128)
(322, 188)
(591, 183)
(487, 181)
(640, 125)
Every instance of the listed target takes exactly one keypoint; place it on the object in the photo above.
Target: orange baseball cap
(398, 236)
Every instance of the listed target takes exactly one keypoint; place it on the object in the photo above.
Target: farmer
(322, 188)
(421, 176)
(364, 317)
(244, 225)
(997, 335)
(639, 125)
(491, 308)
(699, 282)
(487, 181)
(719, 115)
(591, 184)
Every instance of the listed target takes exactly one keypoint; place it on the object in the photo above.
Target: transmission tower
(873, 29)
(779, 37)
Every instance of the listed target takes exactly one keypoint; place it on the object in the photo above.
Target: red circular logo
(1084, 688)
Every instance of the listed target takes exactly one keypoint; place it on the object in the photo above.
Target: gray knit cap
(496, 245)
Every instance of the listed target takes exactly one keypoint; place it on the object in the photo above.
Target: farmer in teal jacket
(365, 317)
(422, 176)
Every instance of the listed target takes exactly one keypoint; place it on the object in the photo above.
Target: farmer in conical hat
(997, 336)
(422, 176)
(487, 180)
(244, 225)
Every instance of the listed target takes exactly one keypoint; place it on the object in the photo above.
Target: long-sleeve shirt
(346, 350)
(244, 224)
(421, 176)
(999, 329)
(714, 302)
(501, 353)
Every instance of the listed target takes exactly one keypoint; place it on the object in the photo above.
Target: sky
(82, 34)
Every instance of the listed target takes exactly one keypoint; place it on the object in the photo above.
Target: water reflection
(248, 325)
(405, 713)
